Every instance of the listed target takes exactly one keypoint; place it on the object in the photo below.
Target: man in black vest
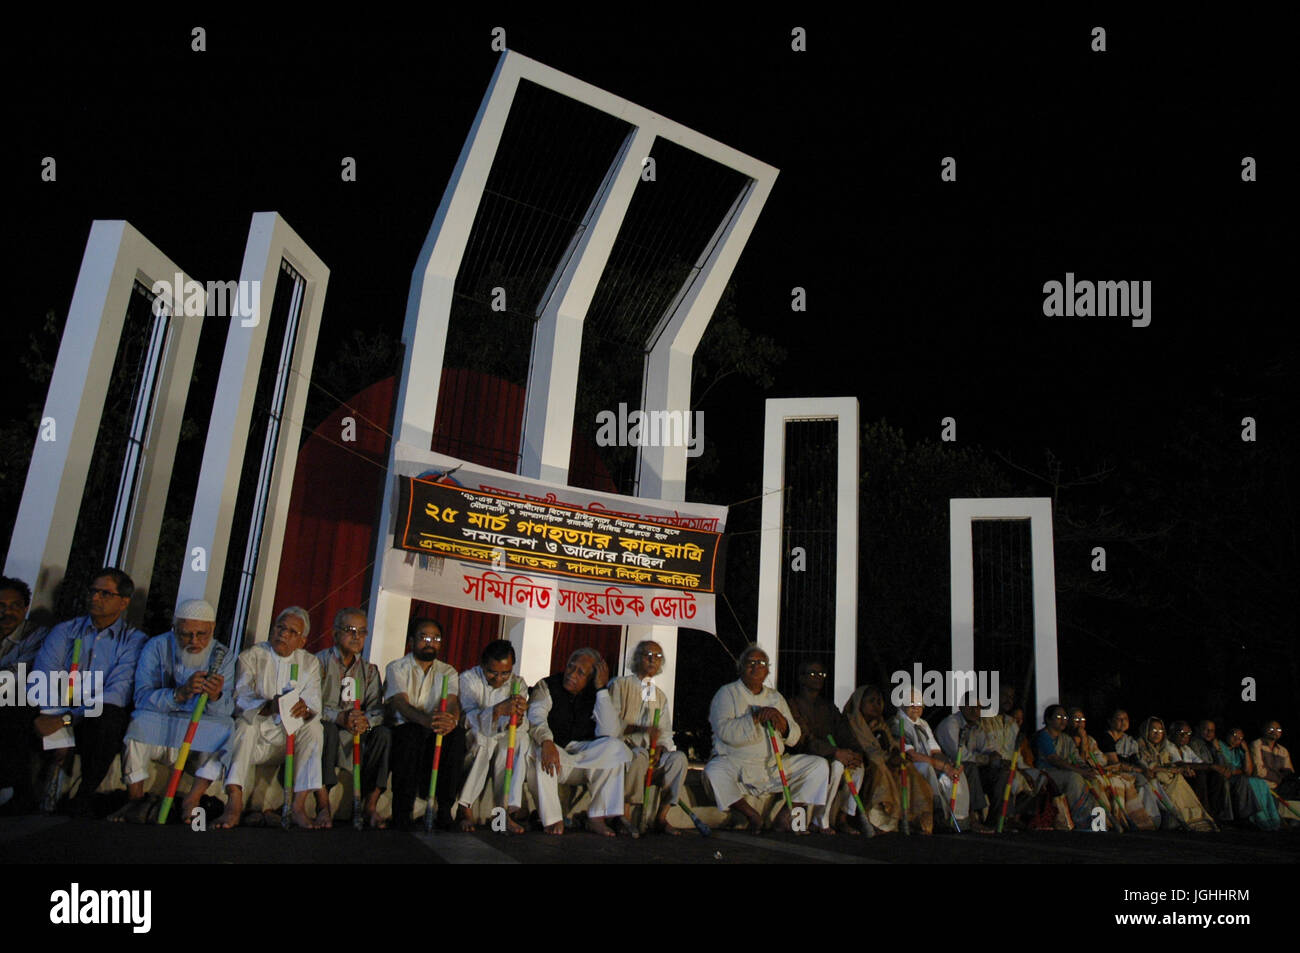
(562, 727)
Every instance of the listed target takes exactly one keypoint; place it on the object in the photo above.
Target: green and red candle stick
(437, 758)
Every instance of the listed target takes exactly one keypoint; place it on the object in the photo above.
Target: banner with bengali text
(478, 538)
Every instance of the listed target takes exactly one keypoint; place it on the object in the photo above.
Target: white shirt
(422, 689)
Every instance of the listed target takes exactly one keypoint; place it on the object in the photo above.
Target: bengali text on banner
(478, 538)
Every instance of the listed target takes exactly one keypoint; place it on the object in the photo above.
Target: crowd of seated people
(179, 700)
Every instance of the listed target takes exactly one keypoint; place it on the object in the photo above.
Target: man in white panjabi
(488, 700)
(562, 723)
(263, 675)
(743, 761)
(626, 709)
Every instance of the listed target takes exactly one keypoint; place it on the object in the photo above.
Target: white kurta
(599, 763)
(625, 702)
(423, 689)
(488, 740)
(743, 762)
(261, 676)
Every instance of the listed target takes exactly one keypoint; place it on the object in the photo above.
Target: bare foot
(749, 814)
(188, 807)
(598, 826)
(299, 818)
(465, 825)
(663, 827)
(234, 808)
(376, 822)
(513, 826)
(824, 830)
(782, 822)
(230, 818)
(557, 828)
(323, 821)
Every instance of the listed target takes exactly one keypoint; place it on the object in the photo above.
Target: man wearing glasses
(102, 648)
(489, 699)
(415, 687)
(818, 722)
(743, 762)
(170, 678)
(626, 709)
(342, 720)
(264, 675)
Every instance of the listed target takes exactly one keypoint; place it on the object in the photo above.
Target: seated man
(982, 771)
(416, 683)
(489, 698)
(342, 720)
(20, 638)
(104, 649)
(171, 676)
(819, 721)
(743, 761)
(625, 709)
(1056, 756)
(939, 770)
(1209, 778)
(264, 675)
(561, 722)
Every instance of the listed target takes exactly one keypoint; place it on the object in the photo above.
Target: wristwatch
(67, 720)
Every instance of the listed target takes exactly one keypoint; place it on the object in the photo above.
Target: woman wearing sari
(1237, 757)
(1156, 755)
(1121, 752)
(865, 713)
(1109, 785)
(1056, 755)
(1273, 764)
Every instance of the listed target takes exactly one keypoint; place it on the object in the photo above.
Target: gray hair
(750, 649)
(302, 616)
(596, 657)
(344, 613)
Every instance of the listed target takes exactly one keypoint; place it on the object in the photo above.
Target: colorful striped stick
(510, 747)
(650, 768)
(72, 672)
(1283, 801)
(1006, 793)
(902, 777)
(437, 757)
(357, 821)
(864, 821)
(286, 813)
(699, 824)
(785, 785)
(214, 662)
(952, 801)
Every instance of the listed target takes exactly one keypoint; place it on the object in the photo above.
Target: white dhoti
(140, 755)
(263, 740)
(733, 778)
(489, 754)
(669, 775)
(599, 763)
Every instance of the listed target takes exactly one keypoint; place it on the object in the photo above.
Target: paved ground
(58, 841)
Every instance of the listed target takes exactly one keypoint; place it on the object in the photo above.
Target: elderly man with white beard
(743, 761)
(170, 677)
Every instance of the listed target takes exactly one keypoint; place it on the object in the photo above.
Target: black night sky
(925, 298)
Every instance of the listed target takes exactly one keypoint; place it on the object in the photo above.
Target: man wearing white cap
(175, 669)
